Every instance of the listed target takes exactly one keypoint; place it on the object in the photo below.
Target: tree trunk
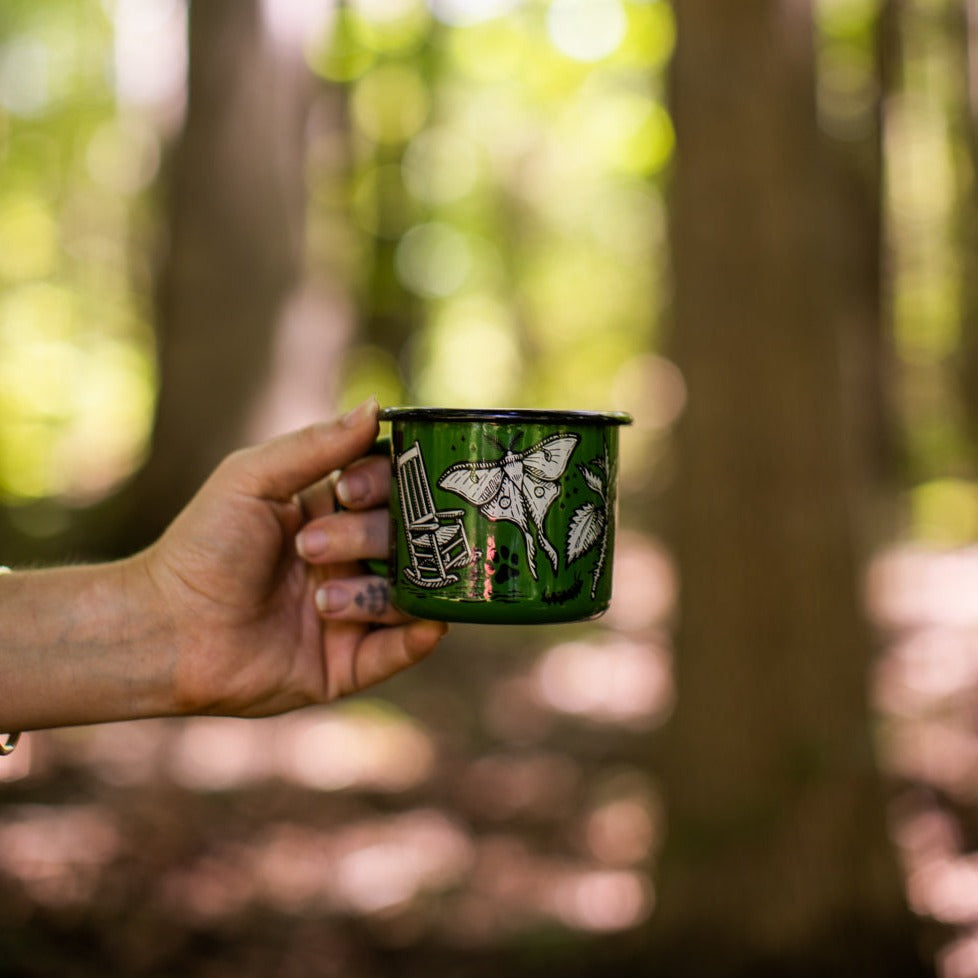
(965, 28)
(854, 259)
(234, 255)
(777, 856)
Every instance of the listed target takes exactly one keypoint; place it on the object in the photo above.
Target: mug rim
(505, 415)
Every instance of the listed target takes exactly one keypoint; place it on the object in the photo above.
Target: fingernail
(351, 488)
(312, 542)
(331, 598)
(360, 413)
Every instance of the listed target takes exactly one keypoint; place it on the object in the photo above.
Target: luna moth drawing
(589, 524)
(519, 487)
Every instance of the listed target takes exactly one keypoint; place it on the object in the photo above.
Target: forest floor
(498, 800)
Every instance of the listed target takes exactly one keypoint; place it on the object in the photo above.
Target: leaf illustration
(593, 481)
(586, 528)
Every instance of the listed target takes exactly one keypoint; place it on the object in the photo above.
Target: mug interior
(529, 416)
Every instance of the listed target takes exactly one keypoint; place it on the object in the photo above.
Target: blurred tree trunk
(854, 260)
(777, 860)
(964, 37)
(234, 254)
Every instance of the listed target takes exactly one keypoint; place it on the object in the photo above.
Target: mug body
(502, 517)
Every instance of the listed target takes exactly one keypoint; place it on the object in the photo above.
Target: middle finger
(345, 536)
(364, 483)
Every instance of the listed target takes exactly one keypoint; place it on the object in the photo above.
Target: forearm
(83, 645)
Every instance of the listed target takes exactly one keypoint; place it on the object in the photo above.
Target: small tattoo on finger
(374, 598)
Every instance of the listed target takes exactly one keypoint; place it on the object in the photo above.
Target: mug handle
(376, 565)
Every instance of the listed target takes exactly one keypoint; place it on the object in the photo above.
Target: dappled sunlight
(84, 103)
(464, 13)
(356, 747)
(935, 752)
(217, 886)
(511, 886)
(302, 382)
(601, 900)
(931, 665)
(960, 958)
(217, 753)
(530, 785)
(456, 815)
(126, 753)
(925, 686)
(390, 104)
(58, 853)
(296, 23)
(469, 354)
(513, 711)
(372, 867)
(441, 165)
(586, 30)
(388, 863)
(613, 680)
(294, 865)
(946, 889)
(644, 583)
(911, 586)
(652, 389)
(381, 867)
(362, 745)
(623, 831)
(533, 199)
(30, 223)
(151, 57)
(434, 259)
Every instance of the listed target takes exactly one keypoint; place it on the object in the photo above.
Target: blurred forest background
(755, 227)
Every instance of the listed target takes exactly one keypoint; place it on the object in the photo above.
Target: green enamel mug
(502, 516)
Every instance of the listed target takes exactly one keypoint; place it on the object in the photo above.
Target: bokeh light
(586, 29)
(470, 355)
(612, 681)
(150, 55)
(76, 351)
(463, 13)
(434, 259)
(390, 103)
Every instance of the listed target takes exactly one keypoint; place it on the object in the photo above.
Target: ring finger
(358, 599)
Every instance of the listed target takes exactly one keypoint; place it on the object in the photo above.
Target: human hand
(264, 621)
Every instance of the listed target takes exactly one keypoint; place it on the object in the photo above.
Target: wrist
(84, 644)
(150, 637)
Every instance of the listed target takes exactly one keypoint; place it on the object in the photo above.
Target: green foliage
(515, 162)
(76, 374)
(502, 218)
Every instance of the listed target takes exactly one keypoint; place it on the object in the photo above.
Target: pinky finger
(384, 652)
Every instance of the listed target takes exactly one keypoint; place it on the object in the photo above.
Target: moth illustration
(520, 487)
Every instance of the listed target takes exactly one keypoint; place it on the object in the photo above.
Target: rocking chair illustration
(436, 538)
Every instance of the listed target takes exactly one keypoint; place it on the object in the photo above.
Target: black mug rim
(505, 416)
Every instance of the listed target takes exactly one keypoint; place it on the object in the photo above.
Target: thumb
(283, 466)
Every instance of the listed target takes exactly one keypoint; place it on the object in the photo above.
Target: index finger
(282, 467)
